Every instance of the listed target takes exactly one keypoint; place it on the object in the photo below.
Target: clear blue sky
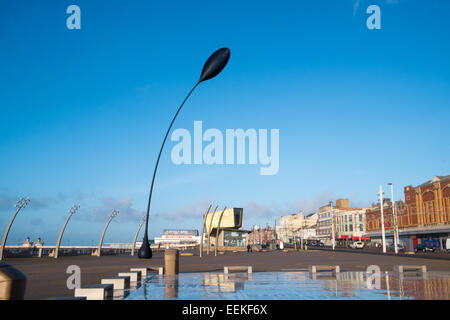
(83, 112)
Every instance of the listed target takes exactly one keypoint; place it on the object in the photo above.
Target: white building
(179, 237)
(297, 226)
(338, 220)
(350, 224)
(309, 233)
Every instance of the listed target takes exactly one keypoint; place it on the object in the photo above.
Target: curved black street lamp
(213, 66)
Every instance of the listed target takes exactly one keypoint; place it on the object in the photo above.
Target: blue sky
(83, 112)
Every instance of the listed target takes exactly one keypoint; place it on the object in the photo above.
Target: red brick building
(261, 236)
(428, 203)
(424, 216)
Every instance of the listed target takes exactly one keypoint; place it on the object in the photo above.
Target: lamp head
(19, 202)
(215, 64)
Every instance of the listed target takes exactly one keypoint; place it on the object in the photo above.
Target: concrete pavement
(47, 276)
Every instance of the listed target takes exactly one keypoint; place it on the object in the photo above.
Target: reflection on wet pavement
(295, 285)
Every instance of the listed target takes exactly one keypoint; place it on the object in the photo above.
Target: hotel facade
(340, 221)
(424, 216)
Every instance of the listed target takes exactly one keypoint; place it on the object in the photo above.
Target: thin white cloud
(7, 201)
(254, 211)
(187, 212)
(101, 212)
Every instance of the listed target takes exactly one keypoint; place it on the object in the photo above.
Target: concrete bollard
(171, 261)
(12, 283)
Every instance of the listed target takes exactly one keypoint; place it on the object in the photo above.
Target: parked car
(315, 243)
(319, 244)
(399, 247)
(424, 248)
(357, 245)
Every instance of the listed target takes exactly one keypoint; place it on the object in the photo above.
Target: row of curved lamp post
(21, 203)
(71, 212)
(209, 230)
(112, 216)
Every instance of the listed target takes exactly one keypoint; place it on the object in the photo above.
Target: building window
(233, 239)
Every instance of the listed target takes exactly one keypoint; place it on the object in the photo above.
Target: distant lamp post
(203, 230)
(19, 205)
(71, 212)
(213, 66)
(218, 230)
(394, 217)
(333, 236)
(135, 237)
(208, 237)
(383, 237)
(112, 216)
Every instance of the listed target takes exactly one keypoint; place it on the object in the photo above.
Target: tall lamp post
(383, 237)
(19, 205)
(274, 234)
(394, 216)
(217, 231)
(333, 240)
(213, 66)
(203, 230)
(71, 212)
(112, 216)
(136, 235)
(208, 237)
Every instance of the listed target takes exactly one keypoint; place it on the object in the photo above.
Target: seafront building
(297, 226)
(350, 226)
(424, 216)
(178, 236)
(332, 216)
(227, 228)
(263, 236)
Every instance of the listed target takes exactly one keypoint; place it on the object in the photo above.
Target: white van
(357, 245)
(447, 244)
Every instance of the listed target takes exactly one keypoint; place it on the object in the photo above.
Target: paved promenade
(47, 276)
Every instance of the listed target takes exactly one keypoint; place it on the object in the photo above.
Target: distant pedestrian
(249, 248)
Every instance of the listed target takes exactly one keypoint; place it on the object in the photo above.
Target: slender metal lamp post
(383, 237)
(394, 216)
(71, 212)
(203, 230)
(213, 66)
(208, 239)
(112, 216)
(333, 236)
(217, 231)
(135, 237)
(19, 205)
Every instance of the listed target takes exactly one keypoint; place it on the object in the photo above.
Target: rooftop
(434, 180)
